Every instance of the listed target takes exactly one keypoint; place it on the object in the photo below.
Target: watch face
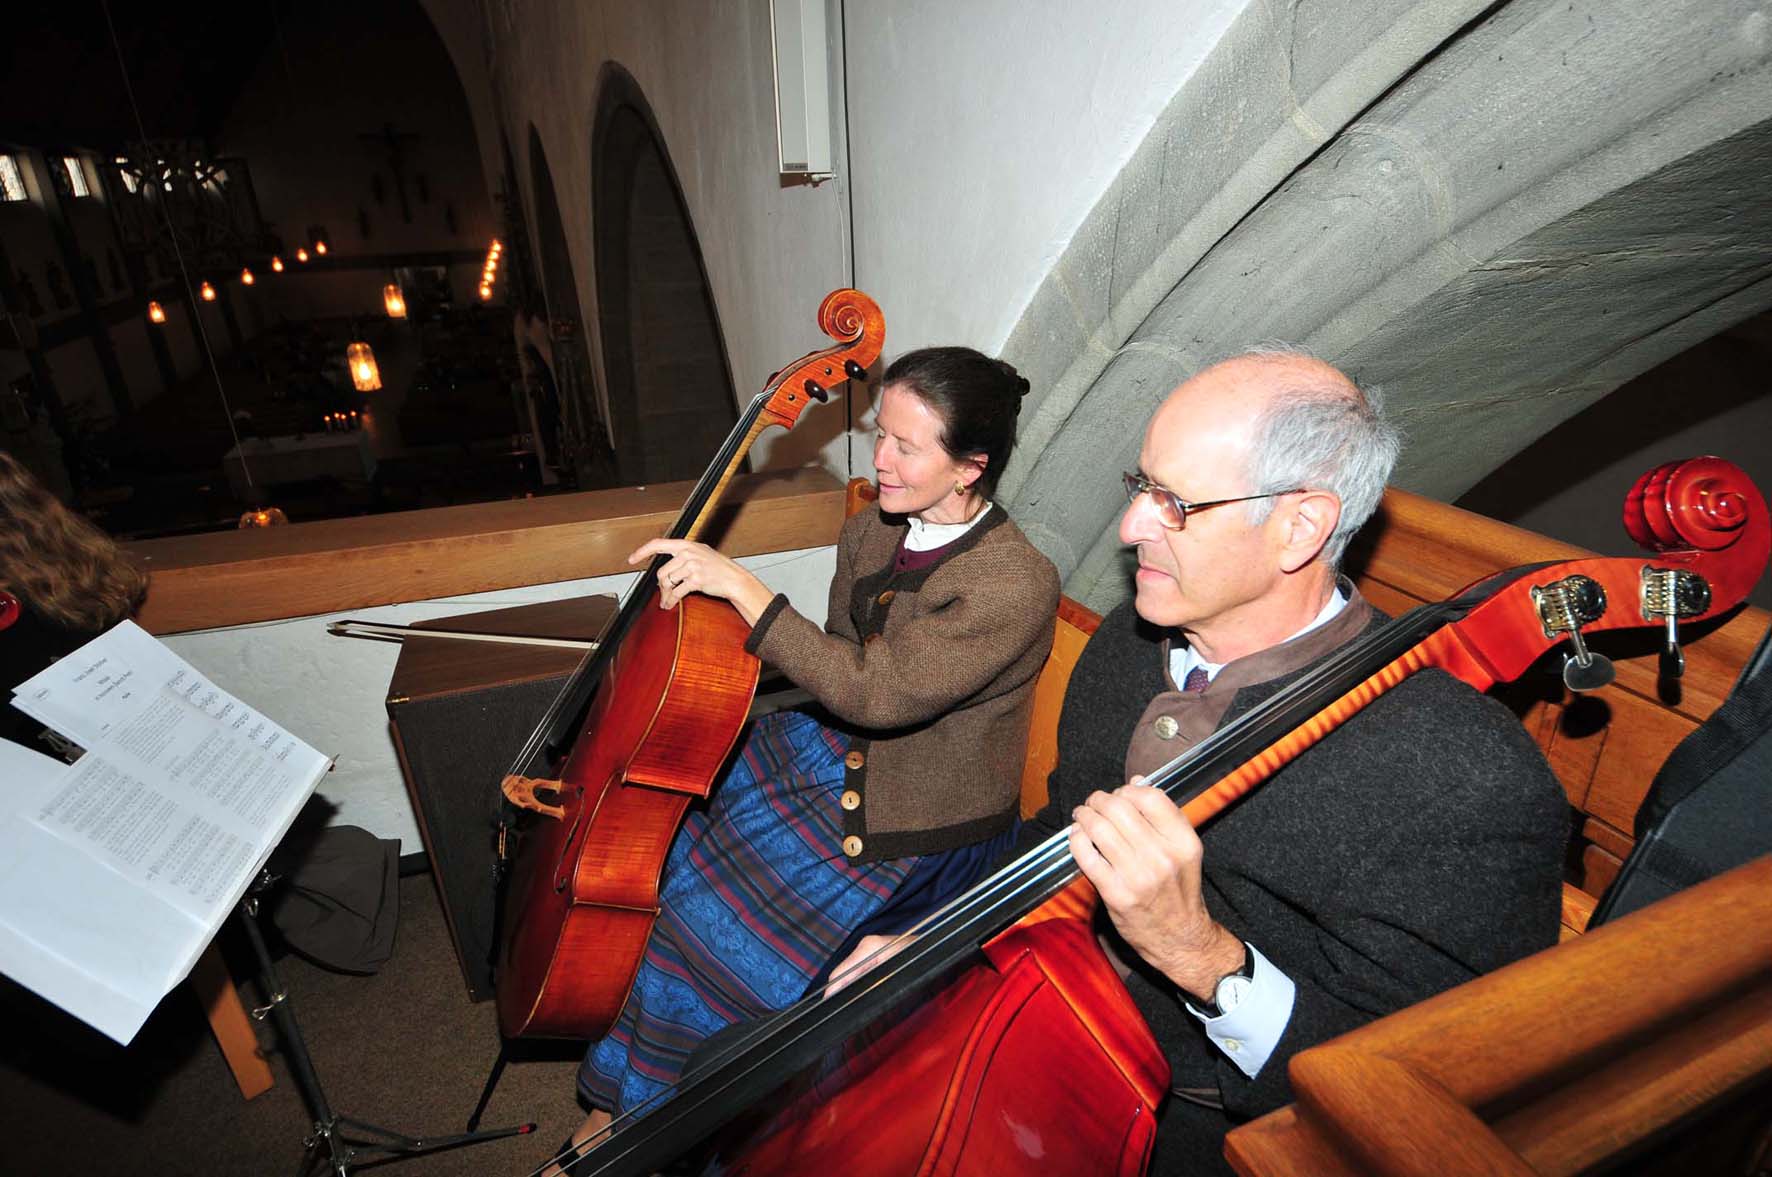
(1231, 992)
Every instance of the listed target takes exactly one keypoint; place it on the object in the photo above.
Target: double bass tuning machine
(1564, 606)
(1669, 594)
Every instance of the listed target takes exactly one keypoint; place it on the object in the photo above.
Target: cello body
(667, 713)
(640, 731)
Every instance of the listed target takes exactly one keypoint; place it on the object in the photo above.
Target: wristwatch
(1231, 990)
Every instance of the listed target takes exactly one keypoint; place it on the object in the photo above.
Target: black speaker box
(460, 711)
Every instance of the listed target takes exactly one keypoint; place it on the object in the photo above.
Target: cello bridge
(521, 791)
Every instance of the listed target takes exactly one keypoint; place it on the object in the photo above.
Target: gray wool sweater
(930, 672)
(1419, 845)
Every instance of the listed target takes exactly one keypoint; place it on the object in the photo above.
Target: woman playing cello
(891, 796)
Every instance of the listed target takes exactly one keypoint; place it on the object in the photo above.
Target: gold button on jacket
(852, 846)
(855, 760)
(850, 799)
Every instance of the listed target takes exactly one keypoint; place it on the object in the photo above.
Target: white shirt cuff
(1249, 1033)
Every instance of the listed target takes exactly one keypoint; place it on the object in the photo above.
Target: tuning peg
(854, 370)
(817, 391)
(1667, 595)
(1564, 606)
(1586, 670)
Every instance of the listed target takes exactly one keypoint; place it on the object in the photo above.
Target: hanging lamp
(246, 278)
(207, 291)
(276, 265)
(365, 375)
(156, 312)
(394, 300)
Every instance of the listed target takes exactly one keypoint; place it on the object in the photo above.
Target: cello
(639, 731)
(1033, 1059)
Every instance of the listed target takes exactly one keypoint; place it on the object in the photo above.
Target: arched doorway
(583, 438)
(671, 398)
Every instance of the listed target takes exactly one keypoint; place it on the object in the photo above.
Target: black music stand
(340, 1139)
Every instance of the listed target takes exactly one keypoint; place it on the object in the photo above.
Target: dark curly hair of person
(61, 565)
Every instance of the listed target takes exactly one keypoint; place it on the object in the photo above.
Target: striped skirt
(755, 898)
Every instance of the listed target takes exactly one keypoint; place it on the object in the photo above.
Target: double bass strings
(789, 1042)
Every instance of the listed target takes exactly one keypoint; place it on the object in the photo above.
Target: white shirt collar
(1183, 658)
(925, 537)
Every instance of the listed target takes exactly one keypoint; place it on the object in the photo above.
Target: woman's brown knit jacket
(931, 672)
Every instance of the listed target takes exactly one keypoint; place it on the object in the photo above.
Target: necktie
(1196, 679)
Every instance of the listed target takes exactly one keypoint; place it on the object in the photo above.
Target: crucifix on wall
(395, 142)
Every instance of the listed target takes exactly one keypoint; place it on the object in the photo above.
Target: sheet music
(117, 870)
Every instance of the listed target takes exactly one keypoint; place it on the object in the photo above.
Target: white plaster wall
(980, 135)
(330, 690)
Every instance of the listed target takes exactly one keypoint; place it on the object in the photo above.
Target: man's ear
(1309, 519)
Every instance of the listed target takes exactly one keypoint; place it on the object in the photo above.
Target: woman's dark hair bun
(1016, 380)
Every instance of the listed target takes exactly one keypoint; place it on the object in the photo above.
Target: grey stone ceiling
(1497, 213)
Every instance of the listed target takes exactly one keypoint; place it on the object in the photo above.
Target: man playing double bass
(1415, 847)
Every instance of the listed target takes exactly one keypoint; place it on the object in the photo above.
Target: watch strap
(1209, 1009)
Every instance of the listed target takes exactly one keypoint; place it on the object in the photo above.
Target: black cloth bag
(1709, 809)
(337, 898)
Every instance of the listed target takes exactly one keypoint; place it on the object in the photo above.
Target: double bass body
(1037, 1062)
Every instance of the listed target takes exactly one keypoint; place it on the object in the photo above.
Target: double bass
(639, 731)
(999, 1039)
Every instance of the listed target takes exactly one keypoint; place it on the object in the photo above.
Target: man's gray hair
(1314, 436)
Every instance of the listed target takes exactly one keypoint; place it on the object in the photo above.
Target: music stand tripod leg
(342, 1141)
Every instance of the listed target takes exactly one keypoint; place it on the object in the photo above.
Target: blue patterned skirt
(756, 899)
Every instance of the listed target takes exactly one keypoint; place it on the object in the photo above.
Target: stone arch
(670, 391)
(1497, 212)
(584, 439)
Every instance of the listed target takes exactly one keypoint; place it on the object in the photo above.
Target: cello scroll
(855, 321)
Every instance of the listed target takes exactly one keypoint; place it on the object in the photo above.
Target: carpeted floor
(403, 1049)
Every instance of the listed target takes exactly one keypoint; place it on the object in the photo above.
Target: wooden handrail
(259, 574)
(1560, 1060)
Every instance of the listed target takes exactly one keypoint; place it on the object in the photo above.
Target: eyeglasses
(1172, 509)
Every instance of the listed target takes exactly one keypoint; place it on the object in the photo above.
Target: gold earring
(960, 489)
